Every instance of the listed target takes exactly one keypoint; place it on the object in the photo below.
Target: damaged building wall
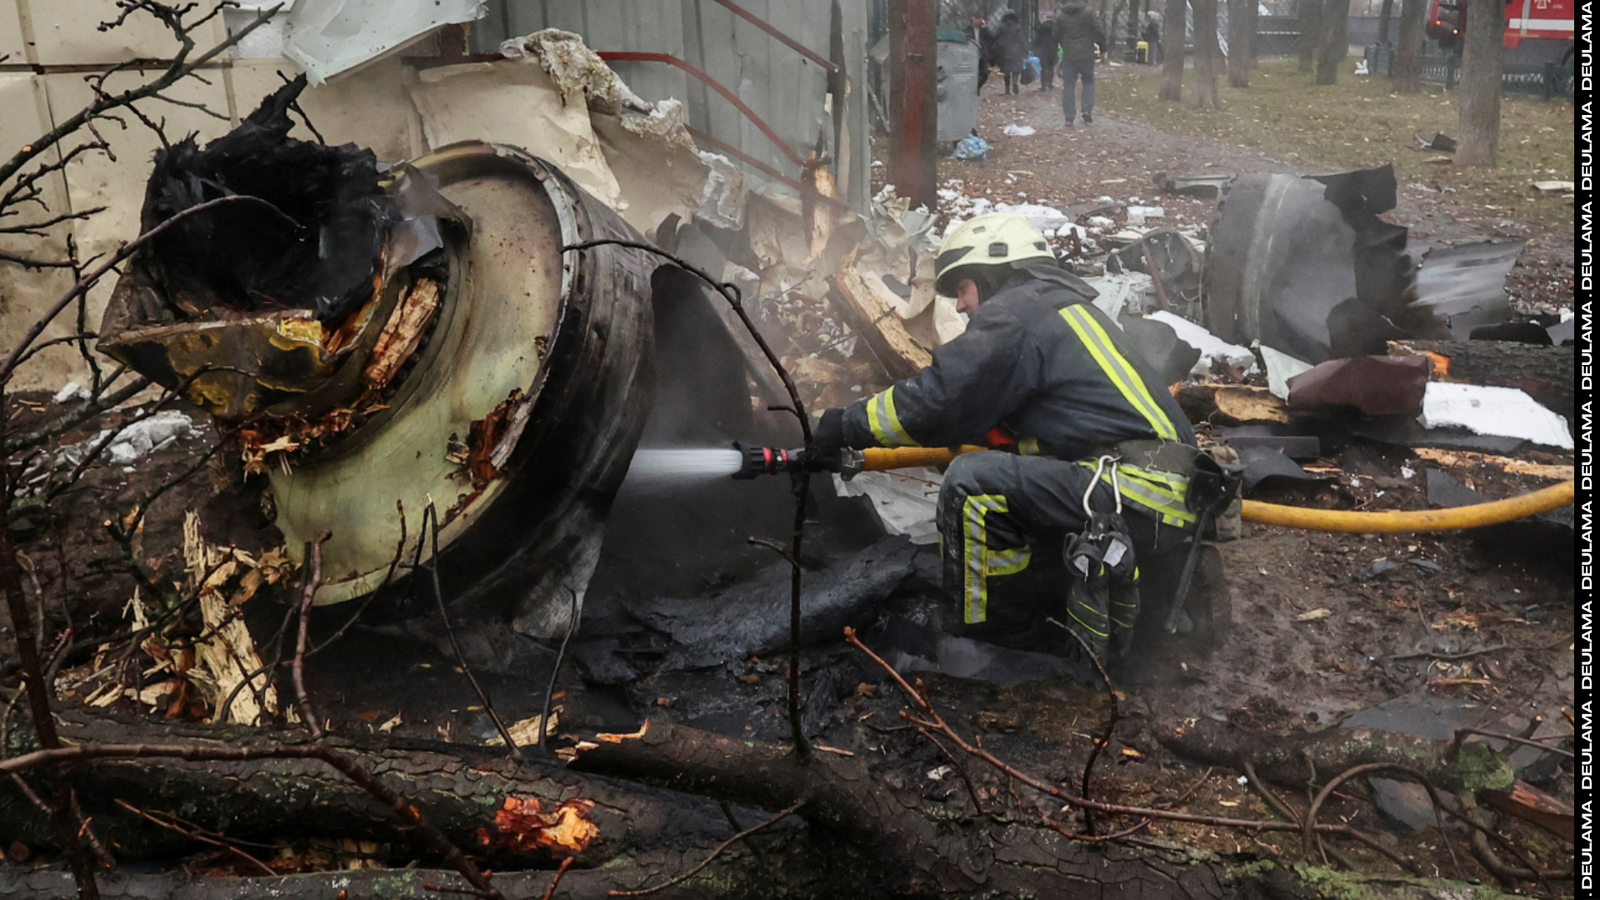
(788, 91)
(385, 105)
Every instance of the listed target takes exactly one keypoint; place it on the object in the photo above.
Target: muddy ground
(1451, 631)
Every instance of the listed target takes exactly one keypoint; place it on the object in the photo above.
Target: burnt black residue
(318, 250)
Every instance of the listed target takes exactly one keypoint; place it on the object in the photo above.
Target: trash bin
(957, 85)
(1141, 52)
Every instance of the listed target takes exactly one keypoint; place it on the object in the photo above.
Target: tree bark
(1239, 42)
(458, 788)
(1310, 32)
(1482, 62)
(1335, 40)
(1251, 882)
(1253, 13)
(1207, 55)
(1385, 13)
(1172, 44)
(1407, 69)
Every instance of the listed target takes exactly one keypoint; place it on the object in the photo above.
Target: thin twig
(265, 869)
(961, 770)
(555, 670)
(1526, 742)
(714, 854)
(1111, 721)
(1278, 806)
(394, 563)
(555, 880)
(430, 529)
(313, 581)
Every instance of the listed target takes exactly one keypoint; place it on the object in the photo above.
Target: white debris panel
(906, 501)
(326, 37)
(1498, 411)
(1209, 345)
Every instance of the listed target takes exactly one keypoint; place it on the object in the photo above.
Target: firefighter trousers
(1003, 518)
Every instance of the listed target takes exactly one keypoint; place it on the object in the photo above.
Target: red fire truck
(1541, 19)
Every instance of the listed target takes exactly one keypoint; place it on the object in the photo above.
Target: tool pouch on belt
(1103, 589)
(1227, 524)
(1214, 488)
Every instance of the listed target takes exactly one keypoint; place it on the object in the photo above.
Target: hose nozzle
(756, 461)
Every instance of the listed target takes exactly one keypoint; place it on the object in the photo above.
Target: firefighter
(1083, 423)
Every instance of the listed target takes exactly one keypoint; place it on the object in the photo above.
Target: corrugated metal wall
(787, 90)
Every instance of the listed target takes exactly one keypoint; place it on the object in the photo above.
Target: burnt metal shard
(752, 617)
(489, 371)
(1308, 267)
(319, 251)
(1372, 385)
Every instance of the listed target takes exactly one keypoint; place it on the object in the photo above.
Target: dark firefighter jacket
(1041, 361)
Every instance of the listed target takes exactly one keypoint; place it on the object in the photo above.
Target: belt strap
(1161, 456)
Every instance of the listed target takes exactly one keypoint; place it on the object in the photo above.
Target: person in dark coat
(1081, 39)
(1152, 37)
(981, 35)
(1046, 48)
(1011, 50)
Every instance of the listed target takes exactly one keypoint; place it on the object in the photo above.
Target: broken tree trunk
(1297, 759)
(1547, 374)
(859, 837)
(458, 788)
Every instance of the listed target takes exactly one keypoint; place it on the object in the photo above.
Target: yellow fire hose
(1452, 519)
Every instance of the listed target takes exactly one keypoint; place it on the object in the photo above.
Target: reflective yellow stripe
(1118, 369)
(1028, 446)
(1162, 492)
(979, 561)
(1008, 562)
(1103, 629)
(885, 423)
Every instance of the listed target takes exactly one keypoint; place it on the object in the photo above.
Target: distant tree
(1482, 63)
(1335, 40)
(1407, 69)
(1253, 13)
(1207, 55)
(1239, 42)
(1310, 32)
(1384, 13)
(1172, 41)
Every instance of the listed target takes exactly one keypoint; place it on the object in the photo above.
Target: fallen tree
(860, 835)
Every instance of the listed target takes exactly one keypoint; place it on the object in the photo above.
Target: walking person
(979, 32)
(1046, 48)
(1081, 39)
(1011, 50)
(1152, 37)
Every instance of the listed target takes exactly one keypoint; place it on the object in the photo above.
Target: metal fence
(1542, 80)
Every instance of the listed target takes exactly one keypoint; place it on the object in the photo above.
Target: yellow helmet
(994, 239)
